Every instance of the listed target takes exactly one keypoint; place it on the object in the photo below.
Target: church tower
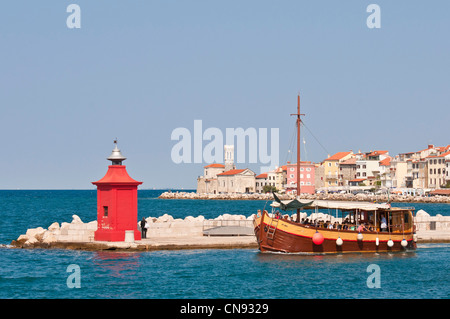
(229, 157)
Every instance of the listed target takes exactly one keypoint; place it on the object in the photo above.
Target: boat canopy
(293, 204)
(342, 205)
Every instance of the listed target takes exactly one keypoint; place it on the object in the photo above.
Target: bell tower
(229, 157)
(116, 201)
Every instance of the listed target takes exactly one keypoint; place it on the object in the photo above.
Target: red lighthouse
(116, 201)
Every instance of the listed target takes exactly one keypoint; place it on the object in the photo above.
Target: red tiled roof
(231, 172)
(215, 165)
(376, 153)
(263, 175)
(350, 161)
(338, 156)
(386, 161)
(443, 148)
(442, 155)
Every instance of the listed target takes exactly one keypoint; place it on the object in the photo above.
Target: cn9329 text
(246, 308)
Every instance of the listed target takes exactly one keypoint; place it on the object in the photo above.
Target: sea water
(209, 273)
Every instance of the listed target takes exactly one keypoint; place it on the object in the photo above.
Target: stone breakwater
(80, 235)
(343, 197)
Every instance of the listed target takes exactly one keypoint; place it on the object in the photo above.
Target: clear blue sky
(136, 70)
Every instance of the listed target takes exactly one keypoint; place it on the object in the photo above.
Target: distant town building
(208, 182)
(319, 172)
(218, 178)
(307, 178)
(437, 169)
(347, 171)
(369, 167)
(399, 168)
(447, 169)
(419, 174)
(261, 181)
(236, 181)
(331, 168)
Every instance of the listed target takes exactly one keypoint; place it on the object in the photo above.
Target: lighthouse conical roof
(117, 174)
(116, 155)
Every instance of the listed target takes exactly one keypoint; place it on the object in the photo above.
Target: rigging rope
(291, 145)
(315, 137)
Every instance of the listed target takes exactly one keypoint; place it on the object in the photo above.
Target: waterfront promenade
(322, 196)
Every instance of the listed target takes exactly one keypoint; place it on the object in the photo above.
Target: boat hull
(289, 237)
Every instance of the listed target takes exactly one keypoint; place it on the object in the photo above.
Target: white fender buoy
(390, 243)
(404, 243)
(377, 241)
(359, 237)
(339, 241)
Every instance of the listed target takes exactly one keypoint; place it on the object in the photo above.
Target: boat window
(105, 211)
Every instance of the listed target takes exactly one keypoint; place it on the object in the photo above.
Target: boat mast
(298, 114)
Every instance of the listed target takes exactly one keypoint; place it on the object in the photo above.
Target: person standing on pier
(143, 228)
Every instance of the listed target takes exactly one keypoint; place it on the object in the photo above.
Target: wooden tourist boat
(362, 227)
(358, 230)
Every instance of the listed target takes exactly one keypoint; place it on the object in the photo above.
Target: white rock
(31, 241)
(76, 220)
(23, 237)
(54, 226)
(47, 233)
(200, 218)
(189, 219)
(51, 238)
(422, 213)
(165, 218)
(33, 232)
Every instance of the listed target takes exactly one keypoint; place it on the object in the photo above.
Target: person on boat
(383, 224)
(361, 228)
